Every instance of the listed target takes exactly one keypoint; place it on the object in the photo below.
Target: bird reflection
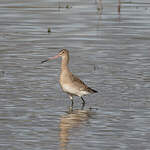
(73, 119)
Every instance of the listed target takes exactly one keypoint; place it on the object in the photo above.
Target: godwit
(70, 84)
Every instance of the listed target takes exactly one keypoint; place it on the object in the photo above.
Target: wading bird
(71, 84)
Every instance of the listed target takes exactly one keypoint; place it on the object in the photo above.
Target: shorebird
(70, 84)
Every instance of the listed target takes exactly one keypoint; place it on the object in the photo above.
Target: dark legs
(71, 98)
(72, 102)
(83, 101)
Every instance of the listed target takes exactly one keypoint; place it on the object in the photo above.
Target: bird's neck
(64, 63)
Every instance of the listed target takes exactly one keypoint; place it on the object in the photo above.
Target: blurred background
(108, 41)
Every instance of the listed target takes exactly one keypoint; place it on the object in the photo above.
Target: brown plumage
(71, 84)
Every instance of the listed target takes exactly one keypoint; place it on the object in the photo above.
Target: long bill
(51, 58)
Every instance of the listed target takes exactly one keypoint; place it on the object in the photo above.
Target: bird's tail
(92, 90)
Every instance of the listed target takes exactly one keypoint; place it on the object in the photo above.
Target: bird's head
(63, 52)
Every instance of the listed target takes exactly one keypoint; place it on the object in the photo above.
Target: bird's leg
(83, 104)
(70, 109)
(71, 98)
(83, 101)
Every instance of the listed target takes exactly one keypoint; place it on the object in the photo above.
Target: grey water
(109, 45)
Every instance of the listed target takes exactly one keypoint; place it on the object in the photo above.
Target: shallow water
(109, 50)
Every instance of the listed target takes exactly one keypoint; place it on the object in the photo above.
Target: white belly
(69, 89)
(73, 90)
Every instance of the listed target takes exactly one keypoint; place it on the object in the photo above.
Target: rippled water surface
(109, 46)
